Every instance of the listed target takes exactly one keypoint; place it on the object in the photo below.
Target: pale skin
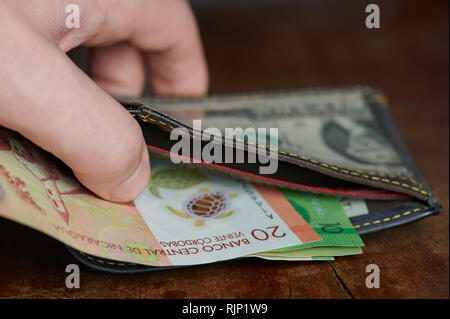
(49, 100)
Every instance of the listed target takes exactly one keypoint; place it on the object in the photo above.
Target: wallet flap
(345, 134)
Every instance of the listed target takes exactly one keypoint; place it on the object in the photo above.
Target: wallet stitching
(385, 178)
(387, 219)
(100, 261)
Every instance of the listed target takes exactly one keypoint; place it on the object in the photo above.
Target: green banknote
(326, 215)
(313, 252)
(312, 258)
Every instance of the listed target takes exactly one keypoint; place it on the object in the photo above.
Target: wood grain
(291, 46)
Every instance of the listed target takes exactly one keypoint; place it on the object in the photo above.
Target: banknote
(327, 216)
(314, 252)
(37, 191)
(184, 217)
(354, 206)
(200, 217)
(335, 124)
(312, 258)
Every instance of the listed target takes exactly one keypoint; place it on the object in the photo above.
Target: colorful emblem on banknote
(204, 205)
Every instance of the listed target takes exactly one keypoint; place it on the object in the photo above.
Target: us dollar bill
(335, 126)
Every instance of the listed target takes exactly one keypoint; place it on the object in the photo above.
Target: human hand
(49, 100)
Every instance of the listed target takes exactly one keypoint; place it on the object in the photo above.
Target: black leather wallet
(340, 142)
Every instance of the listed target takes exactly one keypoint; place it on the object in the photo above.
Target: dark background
(281, 44)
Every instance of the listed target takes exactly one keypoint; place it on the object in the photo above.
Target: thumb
(46, 98)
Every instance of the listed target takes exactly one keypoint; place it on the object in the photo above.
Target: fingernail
(134, 186)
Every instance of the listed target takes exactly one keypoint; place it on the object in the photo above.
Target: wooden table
(295, 45)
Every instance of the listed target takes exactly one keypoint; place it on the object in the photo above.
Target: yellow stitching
(387, 219)
(109, 262)
(144, 117)
(147, 118)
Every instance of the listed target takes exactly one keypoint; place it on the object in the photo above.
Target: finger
(175, 57)
(167, 33)
(119, 69)
(49, 100)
